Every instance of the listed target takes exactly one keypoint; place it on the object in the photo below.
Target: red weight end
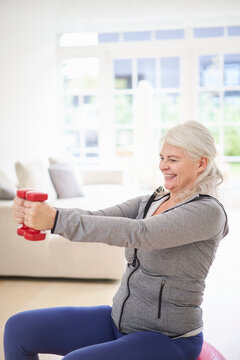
(36, 196)
(20, 231)
(34, 237)
(21, 193)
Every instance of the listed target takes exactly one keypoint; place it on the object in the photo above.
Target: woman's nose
(163, 165)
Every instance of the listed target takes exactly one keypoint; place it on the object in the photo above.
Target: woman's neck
(173, 199)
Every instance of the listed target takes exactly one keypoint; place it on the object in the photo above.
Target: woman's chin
(168, 186)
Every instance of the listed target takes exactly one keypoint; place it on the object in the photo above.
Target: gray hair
(197, 141)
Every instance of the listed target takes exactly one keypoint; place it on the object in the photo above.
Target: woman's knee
(14, 335)
(14, 327)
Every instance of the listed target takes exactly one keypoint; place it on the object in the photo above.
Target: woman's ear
(202, 164)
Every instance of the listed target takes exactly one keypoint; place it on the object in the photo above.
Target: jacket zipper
(163, 282)
(135, 261)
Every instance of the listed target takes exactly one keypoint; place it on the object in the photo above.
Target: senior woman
(170, 238)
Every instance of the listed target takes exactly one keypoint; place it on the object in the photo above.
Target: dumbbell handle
(31, 195)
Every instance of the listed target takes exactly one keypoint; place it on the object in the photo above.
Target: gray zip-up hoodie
(168, 256)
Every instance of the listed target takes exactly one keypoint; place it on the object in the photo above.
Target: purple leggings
(88, 333)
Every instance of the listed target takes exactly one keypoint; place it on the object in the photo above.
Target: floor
(220, 307)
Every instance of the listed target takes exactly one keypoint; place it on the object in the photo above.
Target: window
(142, 83)
(219, 99)
(122, 90)
(108, 37)
(208, 32)
(81, 107)
(233, 30)
(170, 34)
(137, 36)
(93, 38)
(82, 39)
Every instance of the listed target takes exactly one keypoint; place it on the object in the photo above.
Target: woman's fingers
(19, 220)
(18, 210)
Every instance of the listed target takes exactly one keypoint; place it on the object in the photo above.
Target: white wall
(28, 82)
(77, 15)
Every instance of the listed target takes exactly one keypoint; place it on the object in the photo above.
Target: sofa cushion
(65, 182)
(35, 175)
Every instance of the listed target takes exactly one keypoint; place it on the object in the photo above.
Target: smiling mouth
(169, 177)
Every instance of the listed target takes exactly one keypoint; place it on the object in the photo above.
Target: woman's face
(179, 170)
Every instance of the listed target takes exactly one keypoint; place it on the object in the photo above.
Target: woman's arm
(128, 209)
(194, 221)
(41, 216)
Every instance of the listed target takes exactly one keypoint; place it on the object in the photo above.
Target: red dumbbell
(30, 195)
(21, 194)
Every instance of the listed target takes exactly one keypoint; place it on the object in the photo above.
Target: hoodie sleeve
(191, 222)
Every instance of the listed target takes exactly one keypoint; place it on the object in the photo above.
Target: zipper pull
(159, 190)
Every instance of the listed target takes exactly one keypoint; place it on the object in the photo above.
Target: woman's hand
(34, 214)
(39, 215)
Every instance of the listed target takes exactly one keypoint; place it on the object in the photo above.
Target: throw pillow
(68, 160)
(35, 175)
(65, 181)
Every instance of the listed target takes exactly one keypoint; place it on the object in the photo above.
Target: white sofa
(57, 256)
